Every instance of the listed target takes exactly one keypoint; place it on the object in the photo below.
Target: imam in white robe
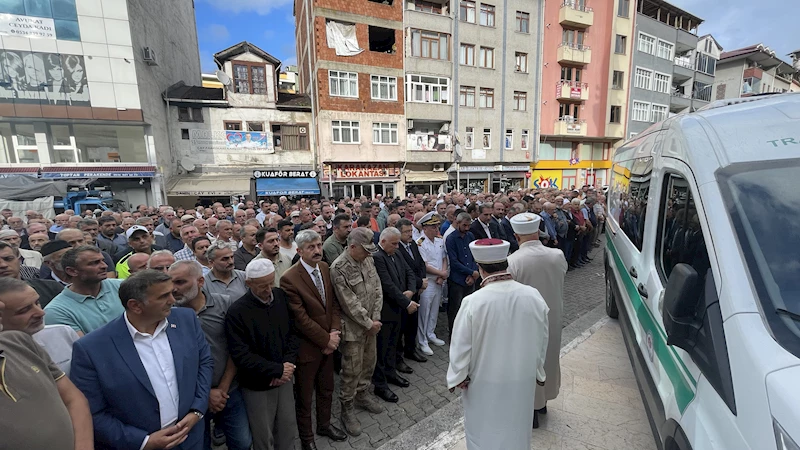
(499, 341)
(544, 269)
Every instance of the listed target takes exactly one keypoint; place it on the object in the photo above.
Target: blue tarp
(286, 186)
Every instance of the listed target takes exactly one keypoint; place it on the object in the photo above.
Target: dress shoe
(332, 432)
(542, 410)
(386, 395)
(402, 367)
(435, 341)
(426, 350)
(397, 380)
(416, 356)
(309, 446)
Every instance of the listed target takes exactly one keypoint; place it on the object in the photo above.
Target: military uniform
(434, 255)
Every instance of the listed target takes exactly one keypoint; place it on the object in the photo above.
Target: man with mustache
(223, 278)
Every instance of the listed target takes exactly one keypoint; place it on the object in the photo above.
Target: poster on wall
(28, 27)
(45, 78)
(211, 142)
(246, 139)
(429, 142)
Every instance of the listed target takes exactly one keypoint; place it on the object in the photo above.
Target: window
(572, 38)
(570, 74)
(628, 202)
(523, 143)
(345, 132)
(486, 58)
(110, 143)
(249, 78)
(621, 44)
(662, 82)
(568, 110)
(190, 114)
(466, 11)
(63, 144)
(616, 114)
(343, 84)
(644, 78)
(623, 8)
(618, 80)
(508, 143)
(466, 55)
(424, 89)
(520, 101)
(381, 40)
(487, 138)
(428, 7)
(290, 136)
(680, 232)
(185, 133)
(430, 44)
(659, 112)
(702, 91)
(632, 135)
(706, 63)
(487, 15)
(665, 49)
(384, 133)
(647, 44)
(521, 64)
(383, 88)
(487, 98)
(523, 22)
(255, 126)
(751, 85)
(233, 126)
(470, 136)
(466, 96)
(641, 111)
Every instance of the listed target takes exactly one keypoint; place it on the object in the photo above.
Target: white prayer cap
(258, 268)
(525, 223)
(489, 251)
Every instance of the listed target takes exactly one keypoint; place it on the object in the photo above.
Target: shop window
(381, 40)
(563, 151)
(6, 144)
(290, 136)
(110, 143)
(63, 144)
(546, 151)
(598, 151)
(25, 143)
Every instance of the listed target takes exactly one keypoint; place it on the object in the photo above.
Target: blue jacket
(462, 264)
(107, 369)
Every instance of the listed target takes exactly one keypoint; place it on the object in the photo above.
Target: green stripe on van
(682, 381)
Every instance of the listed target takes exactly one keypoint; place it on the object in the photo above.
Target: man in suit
(147, 377)
(399, 285)
(484, 227)
(316, 313)
(409, 322)
(504, 221)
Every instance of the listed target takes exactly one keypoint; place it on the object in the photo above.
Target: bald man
(137, 262)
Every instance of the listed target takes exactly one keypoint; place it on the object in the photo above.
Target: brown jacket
(313, 320)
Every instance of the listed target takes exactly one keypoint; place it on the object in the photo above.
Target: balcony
(679, 101)
(570, 127)
(571, 91)
(573, 15)
(574, 54)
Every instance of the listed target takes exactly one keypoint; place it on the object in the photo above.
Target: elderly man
(52, 252)
(543, 269)
(30, 258)
(161, 260)
(138, 262)
(35, 228)
(226, 405)
(244, 254)
(264, 348)
(336, 243)
(147, 374)
(223, 277)
(409, 322)
(270, 249)
(498, 323)
(315, 309)
(10, 267)
(358, 289)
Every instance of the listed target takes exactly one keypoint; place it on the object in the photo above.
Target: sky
(269, 24)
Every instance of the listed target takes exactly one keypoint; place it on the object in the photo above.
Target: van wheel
(611, 302)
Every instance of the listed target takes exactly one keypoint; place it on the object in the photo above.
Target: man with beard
(139, 241)
(223, 277)
(337, 242)
(108, 232)
(270, 249)
(225, 404)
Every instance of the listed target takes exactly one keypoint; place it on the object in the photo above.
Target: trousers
(386, 354)
(407, 339)
(456, 294)
(428, 311)
(232, 420)
(272, 418)
(315, 375)
(358, 363)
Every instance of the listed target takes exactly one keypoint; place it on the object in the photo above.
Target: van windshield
(764, 202)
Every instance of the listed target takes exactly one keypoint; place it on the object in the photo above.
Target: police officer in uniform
(431, 247)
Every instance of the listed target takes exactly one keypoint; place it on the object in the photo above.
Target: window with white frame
(661, 82)
(487, 138)
(647, 43)
(641, 111)
(659, 112)
(521, 64)
(466, 55)
(343, 84)
(426, 89)
(345, 132)
(632, 135)
(486, 58)
(466, 96)
(508, 143)
(523, 143)
(644, 78)
(520, 101)
(665, 49)
(383, 88)
(384, 133)
(470, 138)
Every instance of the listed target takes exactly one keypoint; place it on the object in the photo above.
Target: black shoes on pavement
(402, 367)
(333, 433)
(397, 380)
(386, 395)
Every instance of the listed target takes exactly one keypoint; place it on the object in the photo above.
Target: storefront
(290, 183)
(132, 184)
(357, 179)
(493, 179)
(189, 191)
(426, 182)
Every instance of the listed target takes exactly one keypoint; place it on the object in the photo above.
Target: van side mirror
(681, 296)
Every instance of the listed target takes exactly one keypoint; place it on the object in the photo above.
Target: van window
(628, 201)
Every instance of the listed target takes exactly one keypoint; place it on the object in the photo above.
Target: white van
(703, 271)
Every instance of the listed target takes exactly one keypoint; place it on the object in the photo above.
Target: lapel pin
(172, 325)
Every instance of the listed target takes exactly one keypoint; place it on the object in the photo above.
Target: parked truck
(51, 197)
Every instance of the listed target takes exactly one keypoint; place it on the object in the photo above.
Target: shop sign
(284, 174)
(28, 27)
(136, 174)
(574, 128)
(545, 179)
(575, 92)
(357, 171)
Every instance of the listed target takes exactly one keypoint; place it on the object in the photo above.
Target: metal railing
(581, 47)
(574, 5)
(684, 62)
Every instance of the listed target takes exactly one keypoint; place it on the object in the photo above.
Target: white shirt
(289, 252)
(433, 253)
(486, 229)
(57, 340)
(156, 356)
(310, 271)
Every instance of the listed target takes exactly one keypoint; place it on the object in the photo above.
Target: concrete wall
(728, 82)
(242, 100)
(366, 150)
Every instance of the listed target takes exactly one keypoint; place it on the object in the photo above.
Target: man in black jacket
(263, 345)
(398, 284)
(484, 227)
(409, 322)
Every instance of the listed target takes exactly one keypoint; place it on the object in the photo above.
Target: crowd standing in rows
(139, 329)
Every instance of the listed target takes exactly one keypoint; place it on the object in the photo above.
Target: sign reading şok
(26, 26)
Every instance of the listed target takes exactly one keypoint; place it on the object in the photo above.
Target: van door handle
(633, 273)
(642, 290)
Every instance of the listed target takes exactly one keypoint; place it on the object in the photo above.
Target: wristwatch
(197, 413)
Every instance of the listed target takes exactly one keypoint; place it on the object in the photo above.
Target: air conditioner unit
(149, 56)
(438, 167)
(410, 123)
(303, 130)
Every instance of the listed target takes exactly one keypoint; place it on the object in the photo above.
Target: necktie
(318, 284)
(408, 249)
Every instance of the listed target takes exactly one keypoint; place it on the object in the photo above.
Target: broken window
(381, 40)
(383, 2)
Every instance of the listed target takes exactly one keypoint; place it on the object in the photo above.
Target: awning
(287, 186)
(426, 176)
(211, 186)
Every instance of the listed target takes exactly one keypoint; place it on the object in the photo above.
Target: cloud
(261, 7)
(218, 32)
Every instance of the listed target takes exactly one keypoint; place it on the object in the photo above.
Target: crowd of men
(148, 326)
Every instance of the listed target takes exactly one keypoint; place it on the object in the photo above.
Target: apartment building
(673, 69)
(350, 57)
(586, 61)
(751, 70)
(81, 90)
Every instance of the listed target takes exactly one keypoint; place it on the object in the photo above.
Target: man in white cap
(542, 268)
(497, 353)
(264, 349)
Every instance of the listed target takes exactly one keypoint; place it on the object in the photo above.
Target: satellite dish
(223, 78)
(187, 164)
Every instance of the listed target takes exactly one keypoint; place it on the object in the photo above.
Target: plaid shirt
(28, 272)
(184, 254)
